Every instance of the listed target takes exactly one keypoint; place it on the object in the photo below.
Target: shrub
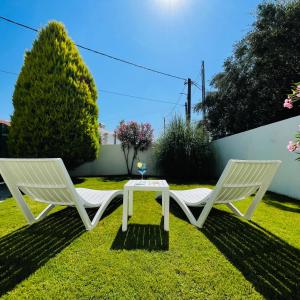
(182, 152)
(55, 109)
(136, 137)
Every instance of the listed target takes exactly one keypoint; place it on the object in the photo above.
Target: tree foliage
(3, 140)
(55, 108)
(249, 91)
(182, 152)
(135, 137)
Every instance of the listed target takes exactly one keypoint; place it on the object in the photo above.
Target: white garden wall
(266, 142)
(111, 162)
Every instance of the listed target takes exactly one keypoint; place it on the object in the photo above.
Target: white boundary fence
(111, 162)
(266, 142)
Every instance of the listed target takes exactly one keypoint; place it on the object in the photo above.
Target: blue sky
(173, 36)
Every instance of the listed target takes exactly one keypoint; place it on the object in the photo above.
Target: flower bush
(136, 137)
(293, 97)
(289, 104)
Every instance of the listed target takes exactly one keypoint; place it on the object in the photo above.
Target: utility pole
(164, 125)
(189, 101)
(203, 88)
(186, 111)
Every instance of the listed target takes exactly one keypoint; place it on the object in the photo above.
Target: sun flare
(169, 4)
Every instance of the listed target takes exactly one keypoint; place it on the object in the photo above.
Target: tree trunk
(126, 156)
(133, 159)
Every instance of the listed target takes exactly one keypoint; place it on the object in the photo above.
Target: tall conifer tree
(55, 102)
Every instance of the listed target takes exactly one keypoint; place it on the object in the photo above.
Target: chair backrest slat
(242, 178)
(43, 180)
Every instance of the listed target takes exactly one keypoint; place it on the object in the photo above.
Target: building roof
(5, 122)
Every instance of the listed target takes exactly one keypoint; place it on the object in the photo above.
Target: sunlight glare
(169, 4)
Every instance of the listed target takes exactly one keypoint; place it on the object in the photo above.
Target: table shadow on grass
(25, 250)
(142, 237)
(268, 262)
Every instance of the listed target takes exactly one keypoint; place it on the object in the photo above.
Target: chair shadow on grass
(142, 237)
(78, 180)
(282, 202)
(4, 192)
(268, 262)
(25, 250)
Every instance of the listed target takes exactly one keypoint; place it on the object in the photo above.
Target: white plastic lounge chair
(47, 180)
(240, 179)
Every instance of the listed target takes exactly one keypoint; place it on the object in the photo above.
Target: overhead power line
(196, 85)
(138, 97)
(102, 53)
(19, 24)
(116, 93)
(8, 72)
(177, 102)
(142, 115)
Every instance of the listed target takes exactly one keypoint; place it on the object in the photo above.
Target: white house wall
(266, 142)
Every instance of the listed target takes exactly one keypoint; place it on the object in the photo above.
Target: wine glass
(142, 168)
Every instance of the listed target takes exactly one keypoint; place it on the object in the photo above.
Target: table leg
(130, 210)
(162, 205)
(125, 210)
(166, 201)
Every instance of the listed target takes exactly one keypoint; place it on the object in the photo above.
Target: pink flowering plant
(134, 137)
(293, 97)
(289, 103)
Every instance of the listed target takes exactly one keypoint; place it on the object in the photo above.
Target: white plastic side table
(145, 185)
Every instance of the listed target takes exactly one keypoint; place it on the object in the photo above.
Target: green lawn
(228, 259)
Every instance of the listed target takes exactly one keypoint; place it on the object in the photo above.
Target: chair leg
(89, 225)
(250, 211)
(234, 209)
(26, 210)
(204, 214)
(101, 210)
(84, 217)
(125, 211)
(186, 210)
(45, 212)
(22, 204)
